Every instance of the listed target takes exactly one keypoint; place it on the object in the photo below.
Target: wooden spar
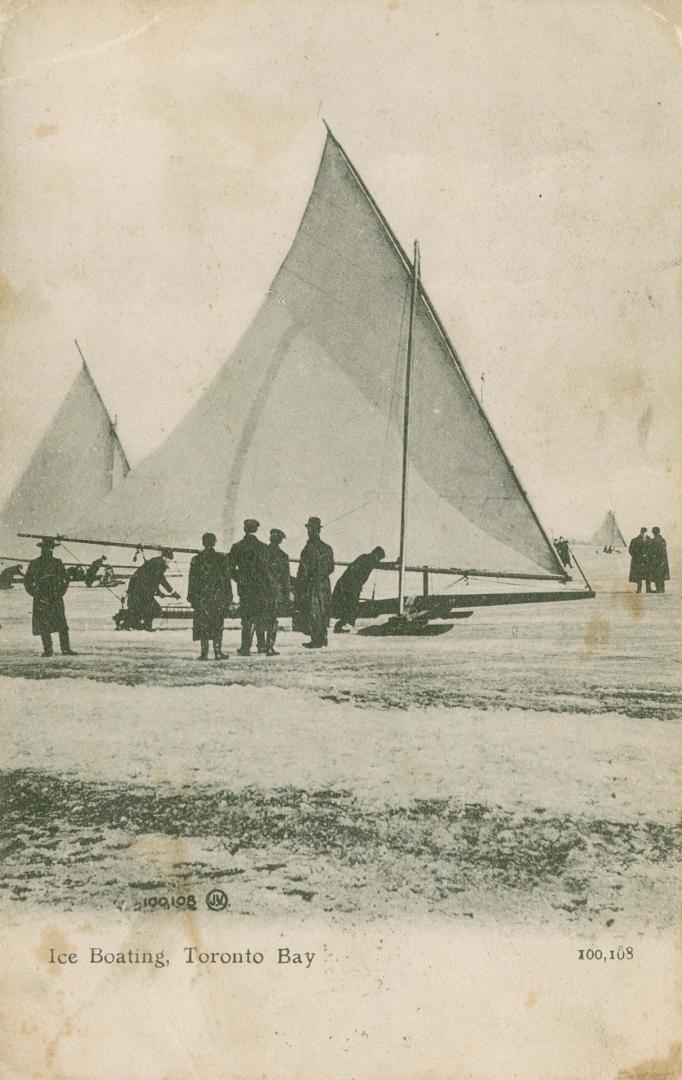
(449, 571)
(582, 572)
(110, 543)
(406, 431)
(441, 606)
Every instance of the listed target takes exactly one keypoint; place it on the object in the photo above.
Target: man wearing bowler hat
(313, 590)
(46, 581)
(248, 567)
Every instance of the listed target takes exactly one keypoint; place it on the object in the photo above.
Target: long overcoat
(209, 592)
(249, 568)
(279, 599)
(658, 559)
(313, 591)
(46, 581)
(640, 559)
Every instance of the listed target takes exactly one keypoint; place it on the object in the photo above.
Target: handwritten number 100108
(621, 953)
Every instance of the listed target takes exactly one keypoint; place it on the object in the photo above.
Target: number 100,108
(621, 953)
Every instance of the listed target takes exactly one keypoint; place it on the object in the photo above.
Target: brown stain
(626, 384)
(597, 635)
(531, 999)
(52, 937)
(634, 603)
(668, 1068)
(52, 1045)
(43, 131)
(221, 119)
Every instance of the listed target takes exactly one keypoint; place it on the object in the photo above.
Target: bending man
(346, 595)
(143, 588)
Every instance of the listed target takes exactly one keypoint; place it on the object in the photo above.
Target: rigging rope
(76, 559)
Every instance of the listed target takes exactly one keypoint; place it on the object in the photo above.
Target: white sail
(608, 534)
(305, 417)
(76, 465)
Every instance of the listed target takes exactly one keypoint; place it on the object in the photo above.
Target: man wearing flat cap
(143, 588)
(249, 568)
(279, 599)
(46, 581)
(209, 592)
(313, 590)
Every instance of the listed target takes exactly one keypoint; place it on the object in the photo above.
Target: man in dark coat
(346, 595)
(143, 588)
(313, 591)
(561, 546)
(639, 560)
(46, 581)
(210, 594)
(658, 560)
(279, 598)
(9, 574)
(248, 567)
(93, 570)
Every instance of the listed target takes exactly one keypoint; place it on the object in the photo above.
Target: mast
(406, 430)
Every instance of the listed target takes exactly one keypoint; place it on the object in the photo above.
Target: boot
(247, 637)
(270, 639)
(47, 644)
(203, 655)
(65, 644)
(218, 653)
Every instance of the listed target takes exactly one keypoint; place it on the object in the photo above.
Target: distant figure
(210, 594)
(639, 560)
(46, 581)
(8, 575)
(248, 567)
(143, 588)
(279, 598)
(93, 570)
(346, 595)
(313, 591)
(564, 554)
(658, 560)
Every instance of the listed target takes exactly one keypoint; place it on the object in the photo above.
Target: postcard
(340, 539)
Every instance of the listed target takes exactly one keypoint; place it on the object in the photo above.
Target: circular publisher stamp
(216, 900)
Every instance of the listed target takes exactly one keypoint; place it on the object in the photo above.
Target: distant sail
(77, 463)
(305, 417)
(608, 534)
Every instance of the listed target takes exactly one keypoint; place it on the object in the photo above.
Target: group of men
(649, 560)
(262, 576)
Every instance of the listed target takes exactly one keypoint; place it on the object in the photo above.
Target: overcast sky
(157, 158)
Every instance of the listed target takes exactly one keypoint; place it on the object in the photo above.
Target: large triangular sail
(608, 534)
(77, 463)
(305, 417)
